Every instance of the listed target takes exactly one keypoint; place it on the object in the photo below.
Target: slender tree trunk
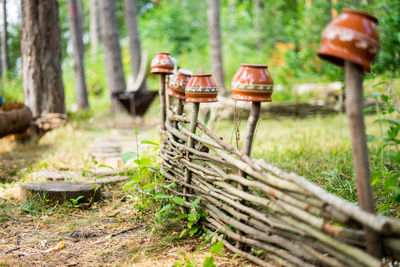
(4, 53)
(41, 57)
(1, 55)
(94, 26)
(112, 51)
(215, 41)
(78, 51)
(80, 14)
(133, 33)
(258, 16)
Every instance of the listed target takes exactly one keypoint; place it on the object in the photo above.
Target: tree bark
(94, 26)
(112, 51)
(134, 39)
(41, 57)
(78, 51)
(215, 42)
(258, 16)
(4, 53)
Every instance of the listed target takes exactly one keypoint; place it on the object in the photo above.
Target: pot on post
(162, 64)
(201, 88)
(178, 83)
(252, 83)
(176, 88)
(352, 36)
(351, 40)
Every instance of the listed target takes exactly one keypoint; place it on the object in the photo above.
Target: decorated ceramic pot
(351, 36)
(177, 84)
(162, 63)
(201, 88)
(252, 83)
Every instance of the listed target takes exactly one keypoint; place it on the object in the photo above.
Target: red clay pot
(351, 36)
(162, 63)
(252, 83)
(201, 88)
(177, 84)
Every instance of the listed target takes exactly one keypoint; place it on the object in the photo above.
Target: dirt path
(109, 233)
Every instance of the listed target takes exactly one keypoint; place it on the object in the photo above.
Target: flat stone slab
(60, 176)
(62, 191)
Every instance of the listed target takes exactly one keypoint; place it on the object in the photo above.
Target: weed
(74, 202)
(38, 205)
(386, 172)
(144, 178)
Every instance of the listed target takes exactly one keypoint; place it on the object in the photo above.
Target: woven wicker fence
(291, 220)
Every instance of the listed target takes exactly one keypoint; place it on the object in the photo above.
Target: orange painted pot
(177, 84)
(351, 36)
(201, 88)
(162, 63)
(252, 83)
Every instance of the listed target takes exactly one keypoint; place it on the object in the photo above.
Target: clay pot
(162, 63)
(252, 83)
(201, 88)
(351, 36)
(177, 84)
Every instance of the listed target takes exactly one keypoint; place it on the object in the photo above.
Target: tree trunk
(41, 57)
(133, 33)
(80, 14)
(258, 17)
(215, 41)
(1, 56)
(112, 51)
(78, 50)
(94, 26)
(4, 53)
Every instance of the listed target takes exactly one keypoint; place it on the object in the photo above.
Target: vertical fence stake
(162, 100)
(248, 141)
(355, 114)
(192, 129)
(179, 111)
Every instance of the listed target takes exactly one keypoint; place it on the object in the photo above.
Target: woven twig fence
(291, 220)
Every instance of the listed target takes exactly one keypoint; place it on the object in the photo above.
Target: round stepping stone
(62, 191)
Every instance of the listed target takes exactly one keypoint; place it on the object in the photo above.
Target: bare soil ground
(108, 233)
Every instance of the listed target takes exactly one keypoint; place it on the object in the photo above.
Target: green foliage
(38, 205)
(387, 174)
(74, 202)
(145, 179)
(11, 88)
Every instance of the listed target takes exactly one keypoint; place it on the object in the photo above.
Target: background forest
(283, 34)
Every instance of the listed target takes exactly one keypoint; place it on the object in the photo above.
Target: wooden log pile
(16, 118)
(292, 221)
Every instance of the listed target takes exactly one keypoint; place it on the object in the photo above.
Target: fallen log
(14, 118)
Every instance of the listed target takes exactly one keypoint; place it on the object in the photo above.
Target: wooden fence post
(162, 100)
(355, 114)
(192, 129)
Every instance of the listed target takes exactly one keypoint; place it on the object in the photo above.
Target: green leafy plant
(74, 202)
(144, 178)
(389, 140)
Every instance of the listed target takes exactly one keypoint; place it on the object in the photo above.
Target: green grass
(319, 149)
